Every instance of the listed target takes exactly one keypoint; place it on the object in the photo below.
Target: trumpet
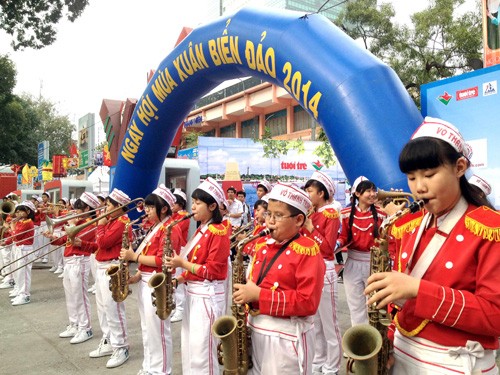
(241, 229)
(71, 232)
(397, 197)
(7, 208)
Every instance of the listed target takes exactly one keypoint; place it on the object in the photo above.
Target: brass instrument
(119, 273)
(232, 330)
(367, 345)
(397, 197)
(7, 208)
(163, 297)
(241, 229)
(71, 232)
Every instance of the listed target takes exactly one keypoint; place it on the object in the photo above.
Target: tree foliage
(32, 23)
(25, 121)
(439, 43)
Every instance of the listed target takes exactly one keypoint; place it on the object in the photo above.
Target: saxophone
(232, 330)
(119, 274)
(367, 345)
(163, 297)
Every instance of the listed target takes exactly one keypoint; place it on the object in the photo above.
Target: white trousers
(6, 252)
(328, 348)
(22, 276)
(282, 345)
(57, 256)
(156, 334)
(93, 266)
(111, 314)
(204, 304)
(42, 240)
(75, 282)
(180, 292)
(416, 356)
(356, 272)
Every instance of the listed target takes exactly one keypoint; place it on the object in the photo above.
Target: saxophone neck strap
(264, 270)
(150, 235)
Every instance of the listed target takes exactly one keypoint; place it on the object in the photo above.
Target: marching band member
(156, 334)
(22, 233)
(76, 271)
(323, 227)
(44, 211)
(284, 288)
(178, 212)
(482, 186)
(93, 263)
(360, 223)
(112, 318)
(59, 210)
(204, 275)
(6, 252)
(260, 209)
(449, 285)
(263, 188)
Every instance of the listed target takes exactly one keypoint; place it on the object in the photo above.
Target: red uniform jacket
(211, 252)
(362, 228)
(249, 248)
(459, 295)
(156, 244)
(87, 235)
(184, 225)
(109, 238)
(23, 233)
(293, 284)
(326, 224)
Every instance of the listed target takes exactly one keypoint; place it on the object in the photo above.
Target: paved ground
(29, 342)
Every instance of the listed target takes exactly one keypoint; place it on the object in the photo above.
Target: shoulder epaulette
(406, 224)
(26, 221)
(218, 229)
(259, 245)
(330, 213)
(124, 219)
(484, 222)
(305, 246)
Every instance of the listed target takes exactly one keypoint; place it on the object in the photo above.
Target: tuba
(367, 345)
(163, 291)
(119, 274)
(232, 330)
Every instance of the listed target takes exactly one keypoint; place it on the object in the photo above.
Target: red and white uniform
(205, 298)
(6, 252)
(183, 224)
(156, 334)
(457, 309)
(111, 314)
(76, 276)
(357, 266)
(22, 240)
(282, 333)
(328, 349)
(180, 291)
(57, 256)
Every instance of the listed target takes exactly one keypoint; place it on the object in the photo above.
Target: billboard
(471, 103)
(43, 155)
(86, 139)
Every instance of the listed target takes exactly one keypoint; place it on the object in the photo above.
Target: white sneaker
(81, 336)
(61, 276)
(45, 260)
(91, 289)
(13, 293)
(69, 332)
(143, 372)
(102, 350)
(52, 269)
(59, 270)
(176, 316)
(119, 357)
(21, 300)
(7, 284)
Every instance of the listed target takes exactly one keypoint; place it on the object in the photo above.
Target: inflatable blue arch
(358, 100)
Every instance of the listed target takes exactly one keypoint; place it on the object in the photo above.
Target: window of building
(302, 119)
(210, 133)
(276, 122)
(228, 131)
(250, 128)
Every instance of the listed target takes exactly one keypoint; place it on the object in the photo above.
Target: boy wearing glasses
(283, 288)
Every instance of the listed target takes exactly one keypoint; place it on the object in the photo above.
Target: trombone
(7, 208)
(71, 232)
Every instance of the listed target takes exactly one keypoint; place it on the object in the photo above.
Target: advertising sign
(86, 139)
(471, 103)
(43, 154)
(491, 32)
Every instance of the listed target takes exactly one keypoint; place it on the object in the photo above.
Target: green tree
(32, 24)
(439, 43)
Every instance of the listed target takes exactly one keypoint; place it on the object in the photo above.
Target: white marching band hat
(90, 199)
(180, 193)
(356, 183)
(28, 204)
(165, 194)
(326, 181)
(119, 197)
(266, 184)
(291, 195)
(211, 187)
(445, 131)
(481, 184)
